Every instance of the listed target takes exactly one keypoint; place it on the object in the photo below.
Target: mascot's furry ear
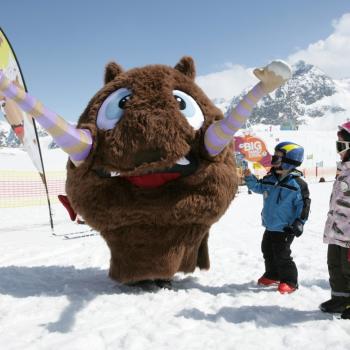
(186, 66)
(112, 70)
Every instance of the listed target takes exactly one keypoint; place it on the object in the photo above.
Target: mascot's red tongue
(152, 180)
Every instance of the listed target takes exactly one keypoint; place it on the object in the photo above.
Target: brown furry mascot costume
(149, 164)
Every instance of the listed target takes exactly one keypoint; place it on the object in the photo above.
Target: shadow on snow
(263, 316)
(81, 286)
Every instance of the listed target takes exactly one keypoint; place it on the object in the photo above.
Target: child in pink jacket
(337, 231)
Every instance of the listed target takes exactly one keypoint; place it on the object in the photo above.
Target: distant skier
(285, 210)
(337, 231)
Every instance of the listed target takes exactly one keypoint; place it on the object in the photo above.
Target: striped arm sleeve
(220, 133)
(76, 142)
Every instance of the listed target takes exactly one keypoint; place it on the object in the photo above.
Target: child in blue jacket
(285, 210)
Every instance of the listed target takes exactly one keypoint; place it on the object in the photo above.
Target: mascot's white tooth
(114, 174)
(183, 161)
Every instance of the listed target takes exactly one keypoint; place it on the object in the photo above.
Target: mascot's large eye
(189, 108)
(112, 109)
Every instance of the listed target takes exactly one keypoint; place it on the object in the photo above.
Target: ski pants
(339, 270)
(279, 264)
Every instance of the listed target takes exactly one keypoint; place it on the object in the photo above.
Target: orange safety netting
(25, 188)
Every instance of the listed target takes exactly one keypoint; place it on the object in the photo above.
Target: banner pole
(43, 174)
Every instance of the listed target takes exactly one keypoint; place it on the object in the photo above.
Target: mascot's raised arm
(148, 164)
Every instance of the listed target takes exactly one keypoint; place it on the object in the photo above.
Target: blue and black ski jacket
(284, 201)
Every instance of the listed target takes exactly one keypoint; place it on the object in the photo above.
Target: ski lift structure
(288, 123)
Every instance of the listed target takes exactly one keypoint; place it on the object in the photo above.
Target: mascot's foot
(149, 285)
(146, 285)
(164, 284)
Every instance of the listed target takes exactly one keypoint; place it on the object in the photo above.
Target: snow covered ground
(55, 293)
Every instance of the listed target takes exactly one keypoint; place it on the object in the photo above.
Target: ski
(69, 233)
(82, 235)
(80, 232)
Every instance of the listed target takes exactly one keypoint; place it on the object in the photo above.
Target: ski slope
(55, 293)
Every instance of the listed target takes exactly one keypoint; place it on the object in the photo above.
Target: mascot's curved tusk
(220, 133)
(76, 142)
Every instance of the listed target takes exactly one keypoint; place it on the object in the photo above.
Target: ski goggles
(342, 146)
(284, 162)
(276, 160)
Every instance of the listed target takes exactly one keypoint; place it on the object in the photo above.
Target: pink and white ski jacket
(337, 229)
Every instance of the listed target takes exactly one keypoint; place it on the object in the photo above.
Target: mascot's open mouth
(184, 166)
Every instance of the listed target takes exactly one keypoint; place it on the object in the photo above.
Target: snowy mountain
(3, 134)
(9, 139)
(309, 94)
(7, 136)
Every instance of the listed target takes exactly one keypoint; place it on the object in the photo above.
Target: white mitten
(273, 75)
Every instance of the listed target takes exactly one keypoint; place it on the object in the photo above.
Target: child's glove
(247, 172)
(296, 228)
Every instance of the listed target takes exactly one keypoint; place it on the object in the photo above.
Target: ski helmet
(344, 130)
(293, 154)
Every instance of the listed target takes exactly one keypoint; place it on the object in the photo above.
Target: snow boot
(285, 288)
(335, 305)
(264, 281)
(346, 313)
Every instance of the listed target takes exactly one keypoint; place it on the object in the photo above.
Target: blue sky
(63, 46)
